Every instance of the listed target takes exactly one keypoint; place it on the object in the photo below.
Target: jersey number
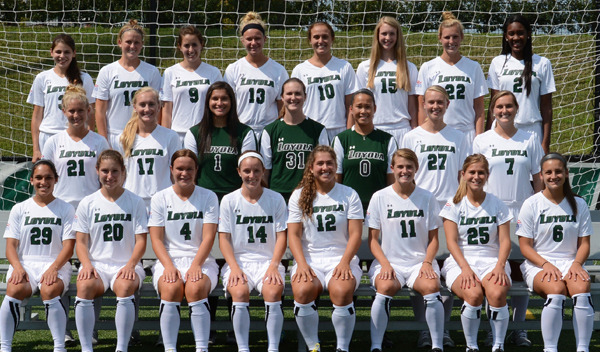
(194, 96)
(511, 164)
(411, 232)
(460, 91)
(483, 234)
(217, 162)
(260, 234)
(329, 223)
(150, 162)
(557, 233)
(72, 168)
(45, 233)
(364, 168)
(128, 96)
(390, 87)
(112, 232)
(518, 86)
(186, 232)
(258, 97)
(326, 92)
(433, 159)
(294, 161)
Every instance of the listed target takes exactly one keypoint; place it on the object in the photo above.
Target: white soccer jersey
(40, 230)
(505, 74)
(75, 163)
(148, 166)
(187, 91)
(257, 90)
(112, 226)
(183, 220)
(478, 226)
(47, 91)
(118, 86)
(392, 103)
(325, 234)
(326, 90)
(404, 223)
(441, 156)
(253, 227)
(463, 81)
(553, 227)
(512, 162)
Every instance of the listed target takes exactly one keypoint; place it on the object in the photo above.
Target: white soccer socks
(307, 319)
(84, 319)
(380, 315)
(9, 319)
(56, 317)
(343, 319)
(470, 317)
(200, 321)
(240, 317)
(274, 320)
(434, 315)
(124, 319)
(170, 319)
(552, 318)
(583, 320)
(499, 323)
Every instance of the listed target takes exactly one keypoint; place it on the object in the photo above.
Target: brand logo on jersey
(77, 154)
(442, 78)
(184, 216)
(509, 72)
(111, 217)
(312, 80)
(546, 219)
(386, 74)
(216, 149)
(240, 219)
(137, 152)
(55, 89)
(294, 147)
(328, 208)
(353, 154)
(496, 152)
(405, 213)
(42, 221)
(130, 84)
(475, 221)
(438, 148)
(195, 82)
(257, 82)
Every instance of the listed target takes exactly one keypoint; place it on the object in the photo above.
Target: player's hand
(237, 277)
(50, 276)
(272, 276)
(171, 274)
(19, 275)
(37, 155)
(304, 273)
(550, 272)
(498, 276)
(127, 272)
(427, 271)
(194, 273)
(468, 278)
(577, 270)
(87, 273)
(342, 271)
(387, 272)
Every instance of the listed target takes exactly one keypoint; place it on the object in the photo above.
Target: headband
(253, 26)
(251, 154)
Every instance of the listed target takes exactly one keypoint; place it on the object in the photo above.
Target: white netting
(565, 32)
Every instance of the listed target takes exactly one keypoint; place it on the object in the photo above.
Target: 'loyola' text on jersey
(294, 147)
(240, 219)
(130, 84)
(42, 221)
(189, 215)
(442, 78)
(475, 221)
(77, 153)
(496, 152)
(55, 89)
(405, 213)
(353, 154)
(545, 219)
(150, 151)
(257, 82)
(111, 217)
(438, 148)
(328, 208)
(312, 80)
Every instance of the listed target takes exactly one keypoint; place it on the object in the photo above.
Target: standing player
(554, 236)
(39, 244)
(528, 76)
(324, 234)
(287, 141)
(392, 78)
(218, 140)
(48, 89)
(75, 151)
(252, 238)
(255, 78)
(477, 227)
(185, 84)
(118, 82)
(111, 230)
(183, 224)
(364, 153)
(147, 147)
(329, 81)
(462, 78)
(407, 218)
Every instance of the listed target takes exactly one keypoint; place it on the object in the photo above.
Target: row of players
(323, 230)
(330, 81)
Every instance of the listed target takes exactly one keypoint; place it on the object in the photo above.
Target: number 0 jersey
(404, 223)
(553, 227)
(112, 226)
(183, 220)
(40, 230)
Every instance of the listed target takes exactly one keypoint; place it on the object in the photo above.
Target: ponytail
(73, 73)
(567, 190)
(131, 128)
(308, 183)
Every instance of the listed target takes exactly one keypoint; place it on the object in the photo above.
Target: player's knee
(387, 287)
(171, 291)
(272, 293)
(496, 296)
(473, 296)
(305, 292)
(239, 293)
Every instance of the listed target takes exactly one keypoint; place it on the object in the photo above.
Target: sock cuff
(432, 296)
(12, 299)
(499, 313)
(470, 312)
(278, 303)
(241, 304)
(556, 296)
(169, 303)
(302, 310)
(55, 300)
(302, 305)
(83, 301)
(132, 298)
(588, 294)
(383, 296)
(344, 311)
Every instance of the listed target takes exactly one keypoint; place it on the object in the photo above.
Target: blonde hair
(438, 89)
(308, 184)
(497, 96)
(448, 21)
(131, 128)
(131, 26)
(252, 17)
(461, 192)
(74, 92)
(407, 154)
(402, 74)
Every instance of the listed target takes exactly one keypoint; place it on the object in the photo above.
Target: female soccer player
(329, 81)
(48, 89)
(111, 230)
(147, 147)
(462, 78)
(39, 244)
(252, 238)
(528, 76)
(183, 224)
(75, 151)
(364, 153)
(554, 236)
(118, 82)
(392, 78)
(255, 78)
(477, 227)
(407, 218)
(218, 140)
(324, 234)
(185, 84)
(287, 141)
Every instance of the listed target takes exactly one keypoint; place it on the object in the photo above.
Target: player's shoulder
(243, 130)
(204, 193)
(364, 65)
(61, 206)
(342, 191)
(420, 192)
(381, 134)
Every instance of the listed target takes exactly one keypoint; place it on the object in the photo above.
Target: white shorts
(534, 128)
(481, 266)
(332, 132)
(398, 132)
(113, 140)
(406, 275)
(43, 138)
(181, 136)
(255, 273)
(530, 271)
(323, 268)
(108, 273)
(36, 269)
(209, 268)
